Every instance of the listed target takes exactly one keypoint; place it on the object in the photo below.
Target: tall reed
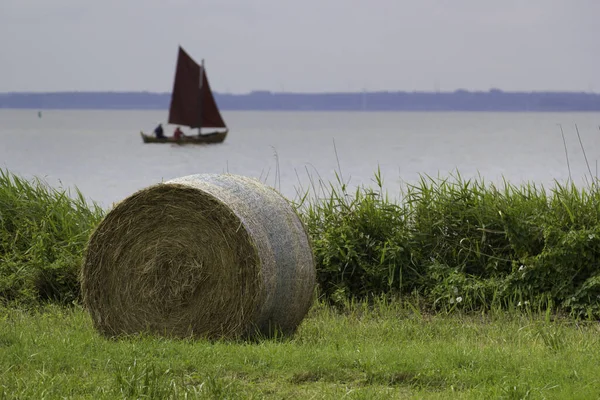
(459, 242)
(359, 239)
(452, 242)
(43, 232)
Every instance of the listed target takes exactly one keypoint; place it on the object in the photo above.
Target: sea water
(102, 153)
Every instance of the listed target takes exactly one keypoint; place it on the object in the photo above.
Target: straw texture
(217, 256)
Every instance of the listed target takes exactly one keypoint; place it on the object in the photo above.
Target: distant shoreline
(460, 100)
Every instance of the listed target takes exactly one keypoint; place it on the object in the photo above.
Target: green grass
(447, 239)
(453, 238)
(388, 351)
(495, 274)
(43, 232)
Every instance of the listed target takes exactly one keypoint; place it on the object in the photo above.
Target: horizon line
(258, 91)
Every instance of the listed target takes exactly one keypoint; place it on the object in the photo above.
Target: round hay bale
(217, 256)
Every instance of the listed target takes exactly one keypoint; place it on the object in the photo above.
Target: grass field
(388, 351)
(509, 279)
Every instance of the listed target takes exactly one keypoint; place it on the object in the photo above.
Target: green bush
(567, 267)
(460, 244)
(43, 232)
(452, 242)
(360, 243)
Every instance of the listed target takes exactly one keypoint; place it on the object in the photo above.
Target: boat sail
(192, 104)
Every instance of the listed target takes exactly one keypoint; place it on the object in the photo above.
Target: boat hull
(214, 137)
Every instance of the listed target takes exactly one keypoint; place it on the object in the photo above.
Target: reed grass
(43, 231)
(459, 243)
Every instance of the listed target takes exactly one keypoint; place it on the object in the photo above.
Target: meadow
(461, 290)
(379, 351)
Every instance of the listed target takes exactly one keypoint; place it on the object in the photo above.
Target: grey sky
(301, 46)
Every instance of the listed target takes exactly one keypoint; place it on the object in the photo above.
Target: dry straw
(217, 256)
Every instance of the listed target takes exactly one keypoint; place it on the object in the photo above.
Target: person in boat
(178, 133)
(159, 132)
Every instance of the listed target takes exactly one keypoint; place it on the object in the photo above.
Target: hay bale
(203, 256)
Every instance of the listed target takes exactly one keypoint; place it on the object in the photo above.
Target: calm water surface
(101, 152)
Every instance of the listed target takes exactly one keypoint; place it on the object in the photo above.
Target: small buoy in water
(39, 114)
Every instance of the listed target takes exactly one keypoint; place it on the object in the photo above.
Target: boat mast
(200, 96)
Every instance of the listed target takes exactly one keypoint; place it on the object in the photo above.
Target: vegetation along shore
(461, 289)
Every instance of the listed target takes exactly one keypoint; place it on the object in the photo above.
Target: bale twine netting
(214, 256)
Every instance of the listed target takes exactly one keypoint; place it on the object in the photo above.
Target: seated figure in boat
(159, 132)
(178, 133)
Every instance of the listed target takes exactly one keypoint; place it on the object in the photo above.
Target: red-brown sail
(192, 105)
(211, 117)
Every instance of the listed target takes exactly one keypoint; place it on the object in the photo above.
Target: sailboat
(192, 105)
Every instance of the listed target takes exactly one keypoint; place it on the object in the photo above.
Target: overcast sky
(302, 46)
